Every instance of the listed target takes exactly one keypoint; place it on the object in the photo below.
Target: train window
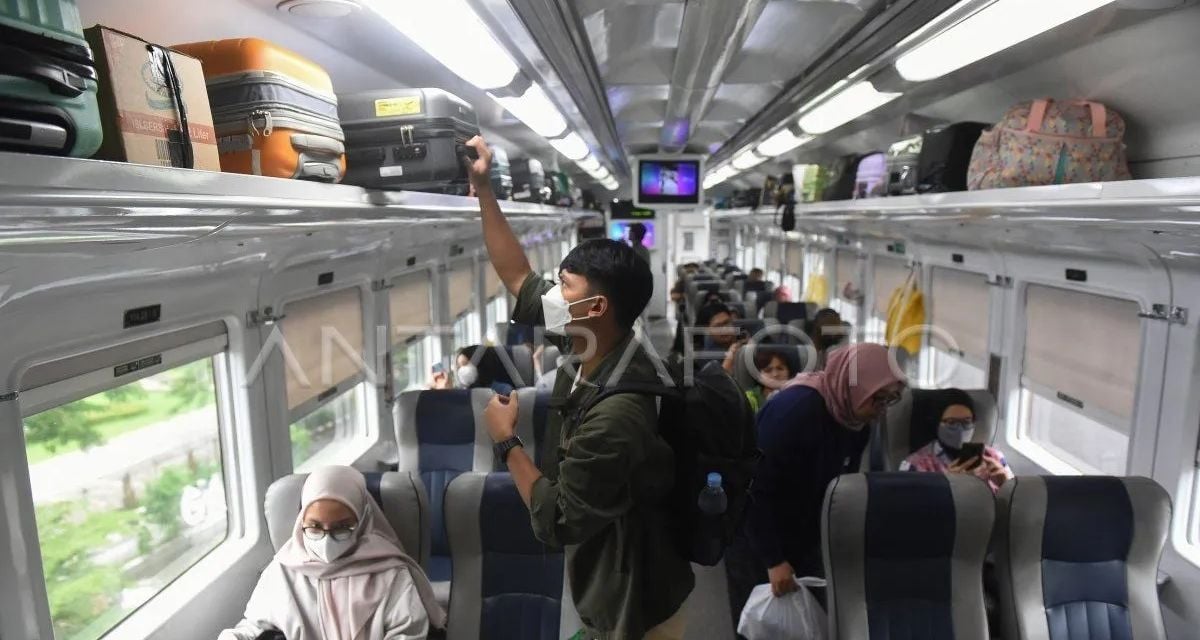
(1079, 377)
(461, 288)
(849, 285)
(128, 483)
(889, 275)
(775, 262)
(410, 309)
(957, 351)
(325, 399)
(496, 313)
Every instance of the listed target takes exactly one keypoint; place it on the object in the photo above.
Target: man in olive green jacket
(605, 471)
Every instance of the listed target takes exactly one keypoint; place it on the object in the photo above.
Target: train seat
(400, 496)
(904, 555)
(1078, 557)
(506, 585)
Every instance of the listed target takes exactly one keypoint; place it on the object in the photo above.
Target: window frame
(241, 530)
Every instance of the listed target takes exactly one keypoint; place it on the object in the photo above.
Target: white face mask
(327, 549)
(465, 376)
(557, 310)
(953, 436)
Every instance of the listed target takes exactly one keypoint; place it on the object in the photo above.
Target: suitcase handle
(318, 144)
(22, 64)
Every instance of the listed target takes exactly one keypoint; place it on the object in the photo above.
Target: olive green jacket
(605, 474)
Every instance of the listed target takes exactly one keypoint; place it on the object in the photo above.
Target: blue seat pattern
(446, 437)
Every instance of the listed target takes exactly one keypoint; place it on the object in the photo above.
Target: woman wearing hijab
(955, 415)
(342, 575)
(812, 431)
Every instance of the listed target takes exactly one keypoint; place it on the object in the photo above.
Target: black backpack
(710, 426)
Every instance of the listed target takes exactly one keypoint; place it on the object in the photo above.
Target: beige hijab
(352, 587)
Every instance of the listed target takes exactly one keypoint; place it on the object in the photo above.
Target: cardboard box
(141, 111)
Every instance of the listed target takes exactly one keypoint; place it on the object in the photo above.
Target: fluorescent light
(572, 146)
(588, 164)
(853, 102)
(600, 174)
(611, 184)
(747, 160)
(536, 110)
(781, 143)
(451, 32)
(997, 27)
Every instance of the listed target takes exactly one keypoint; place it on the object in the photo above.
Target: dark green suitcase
(47, 80)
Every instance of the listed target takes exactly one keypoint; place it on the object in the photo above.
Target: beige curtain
(1084, 345)
(325, 335)
(410, 307)
(491, 280)
(889, 274)
(461, 283)
(961, 304)
(795, 259)
(775, 256)
(846, 262)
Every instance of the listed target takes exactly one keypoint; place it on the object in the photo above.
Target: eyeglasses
(959, 423)
(340, 534)
(886, 399)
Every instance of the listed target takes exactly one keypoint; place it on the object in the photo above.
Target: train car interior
(241, 242)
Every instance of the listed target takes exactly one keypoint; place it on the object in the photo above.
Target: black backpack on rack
(710, 426)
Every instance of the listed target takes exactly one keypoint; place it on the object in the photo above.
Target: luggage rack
(28, 180)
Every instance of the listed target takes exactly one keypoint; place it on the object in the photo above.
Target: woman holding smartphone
(952, 451)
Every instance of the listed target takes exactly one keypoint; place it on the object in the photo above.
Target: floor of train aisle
(708, 607)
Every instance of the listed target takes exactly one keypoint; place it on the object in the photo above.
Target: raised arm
(504, 249)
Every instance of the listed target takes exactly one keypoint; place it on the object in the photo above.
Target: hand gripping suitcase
(502, 182)
(411, 139)
(945, 156)
(275, 111)
(48, 82)
(529, 181)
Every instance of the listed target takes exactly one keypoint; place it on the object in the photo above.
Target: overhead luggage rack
(43, 181)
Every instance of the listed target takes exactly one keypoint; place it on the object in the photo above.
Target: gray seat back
(902, 437)
(904, 556)
(400, 495)
(505, 581)
(1077, 557)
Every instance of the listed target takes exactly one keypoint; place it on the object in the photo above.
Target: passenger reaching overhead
(810, 433)
(605, 471)
(951, 451)
(342, 575)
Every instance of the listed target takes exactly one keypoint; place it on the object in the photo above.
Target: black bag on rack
(529, 181)
(841, 175)
(407, 139)
(945, 156)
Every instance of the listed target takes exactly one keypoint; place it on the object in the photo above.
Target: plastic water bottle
(712, 497)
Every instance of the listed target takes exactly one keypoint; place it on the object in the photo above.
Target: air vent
(319, 9)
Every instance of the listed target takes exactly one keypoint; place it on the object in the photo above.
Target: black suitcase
(529, 181)
(411, 139)
(945, 155)
(841, 177)
(902, 161)
(502, 182)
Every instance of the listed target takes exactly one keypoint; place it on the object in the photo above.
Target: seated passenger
(719, 336)
(773, 372)
(826, 330)
(756, 275)
(812, 431)
(468, 374)
(955, 414)
(342, 574)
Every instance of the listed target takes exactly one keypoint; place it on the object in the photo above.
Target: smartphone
(969, 451)
(438, 368)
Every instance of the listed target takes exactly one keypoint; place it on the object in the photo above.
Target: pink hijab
(851, 376)
(354, 585)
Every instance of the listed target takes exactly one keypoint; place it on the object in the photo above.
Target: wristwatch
(502, 448)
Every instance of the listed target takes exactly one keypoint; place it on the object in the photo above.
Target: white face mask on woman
(327, 549)
(557, 310)
(465, 376)
(953, 435)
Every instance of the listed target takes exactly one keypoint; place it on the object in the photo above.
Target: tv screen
(619, 230)
(669, 182)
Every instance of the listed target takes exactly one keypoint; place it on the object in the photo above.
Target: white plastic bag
(795, 616)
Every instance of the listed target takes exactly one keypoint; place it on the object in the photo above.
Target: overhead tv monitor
(619, 230)
(670, 181)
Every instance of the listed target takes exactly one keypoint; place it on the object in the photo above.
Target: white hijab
(354, 585)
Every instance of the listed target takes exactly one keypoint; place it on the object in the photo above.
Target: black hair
(758, 271)
(710, 311)
(763, 358)
(637, 231)
(613, 270)
(826, 313)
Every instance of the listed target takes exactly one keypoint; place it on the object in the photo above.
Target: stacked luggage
(274, 111)
(48, 81)
(502, 182)
(408, 139)
(529, 181)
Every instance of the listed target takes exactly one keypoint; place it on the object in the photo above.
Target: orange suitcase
(275, 112)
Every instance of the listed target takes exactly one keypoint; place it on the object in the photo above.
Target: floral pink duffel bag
(1050, 142)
